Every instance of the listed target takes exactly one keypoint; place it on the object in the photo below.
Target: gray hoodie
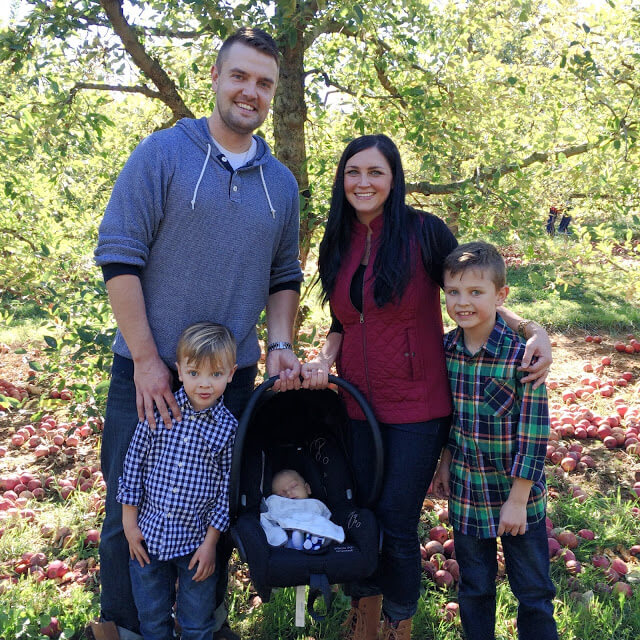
(210, 243)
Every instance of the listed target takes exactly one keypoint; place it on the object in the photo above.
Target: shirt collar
(491, 346)
(187, 408)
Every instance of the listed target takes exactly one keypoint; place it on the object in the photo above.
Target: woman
(380, 267)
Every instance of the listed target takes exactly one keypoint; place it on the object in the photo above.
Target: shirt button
(224, 158)
(186, 440)
(169, 515)
(175, 489)
(180, 465)
(235, 187)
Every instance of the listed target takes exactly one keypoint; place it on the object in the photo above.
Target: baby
(294, 519)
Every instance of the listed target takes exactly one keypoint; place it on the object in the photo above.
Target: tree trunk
(289, 117)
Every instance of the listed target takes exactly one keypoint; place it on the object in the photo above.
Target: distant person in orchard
(174, 492)
(493, 468)
(202, 225)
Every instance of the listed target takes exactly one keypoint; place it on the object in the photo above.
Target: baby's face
(291, 485)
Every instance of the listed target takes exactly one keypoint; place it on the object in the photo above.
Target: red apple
(587, 534)
(623, 588)
(438, 533)
(443, 578)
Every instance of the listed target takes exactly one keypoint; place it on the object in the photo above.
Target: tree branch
(428, 189)
(167, 91)
(18, 236)
(344, 89)
(143, 89)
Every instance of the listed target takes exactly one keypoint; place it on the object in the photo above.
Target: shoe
(363, 620)
(102, 631)
(400, 630)
(225, 633)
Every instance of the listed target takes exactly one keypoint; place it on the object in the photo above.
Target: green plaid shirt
(500, 431)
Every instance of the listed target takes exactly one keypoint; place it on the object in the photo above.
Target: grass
(587, 307)
(21, 321)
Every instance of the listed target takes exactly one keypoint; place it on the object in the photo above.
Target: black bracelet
(277, 346)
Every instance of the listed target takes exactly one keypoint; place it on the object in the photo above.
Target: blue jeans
(527, 562)
(154, 591)
(121, 418)
(411, 453)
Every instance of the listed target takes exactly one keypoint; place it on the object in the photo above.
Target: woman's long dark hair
(392, 266)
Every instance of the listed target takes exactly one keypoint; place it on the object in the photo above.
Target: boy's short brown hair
(207, 341)
(477, 255)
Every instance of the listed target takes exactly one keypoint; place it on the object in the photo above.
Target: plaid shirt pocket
(499, 396)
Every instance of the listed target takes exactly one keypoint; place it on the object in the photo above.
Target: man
(202, 224)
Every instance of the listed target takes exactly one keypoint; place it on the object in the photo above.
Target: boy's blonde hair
(477, 255)
(207, 341)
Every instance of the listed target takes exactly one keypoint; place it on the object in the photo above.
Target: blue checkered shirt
(179, 477)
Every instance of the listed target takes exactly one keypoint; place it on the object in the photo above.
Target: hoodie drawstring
(204, 166)
(264, 186)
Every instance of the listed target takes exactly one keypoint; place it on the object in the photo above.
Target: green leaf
(52, 342)
(36, 366)
(6, 401)
(511, 80)
(101, 388)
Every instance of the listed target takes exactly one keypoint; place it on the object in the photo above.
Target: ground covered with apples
(52, 499)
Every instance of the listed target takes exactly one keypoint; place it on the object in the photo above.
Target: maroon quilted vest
(393, 354)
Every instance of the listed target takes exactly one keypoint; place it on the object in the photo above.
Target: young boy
(493, 467)
(174, 491)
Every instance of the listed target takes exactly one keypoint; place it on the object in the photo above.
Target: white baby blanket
(307, 514)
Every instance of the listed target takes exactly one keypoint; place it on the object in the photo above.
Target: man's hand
(538, 345)
(153, 388)
(283, 363)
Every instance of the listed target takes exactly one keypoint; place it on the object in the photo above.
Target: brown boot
(363, 620)
(104, 630)
(392, 632)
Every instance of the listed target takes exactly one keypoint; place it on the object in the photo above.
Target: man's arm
(151, 376)
(282, 307)
(538, 344)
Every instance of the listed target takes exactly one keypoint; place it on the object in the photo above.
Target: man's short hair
(477, 255)
(251, 37)
(207, 341)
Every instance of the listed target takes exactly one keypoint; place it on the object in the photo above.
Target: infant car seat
(307, 431)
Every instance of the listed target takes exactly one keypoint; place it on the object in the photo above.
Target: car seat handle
(378, 455)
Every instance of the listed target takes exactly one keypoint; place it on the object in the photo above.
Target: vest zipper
(364, 331)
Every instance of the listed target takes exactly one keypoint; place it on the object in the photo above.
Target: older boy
(174, 491)
(493, 468)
